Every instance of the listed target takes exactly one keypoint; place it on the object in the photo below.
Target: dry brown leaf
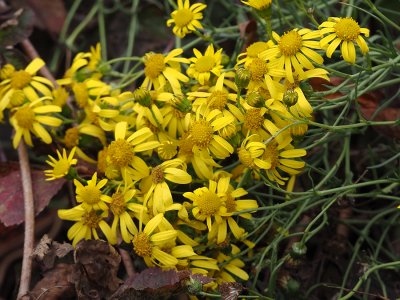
(11, 195)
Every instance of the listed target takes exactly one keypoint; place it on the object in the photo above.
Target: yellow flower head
(204, 65)
(155, 186)
(344, 32)
(204, 129)
(209, 203)
(121, 151)
(258, 4)
(121, 206)
(26, 80)
(219, 229)
(283, 159)
(230, 266)
(250, 153)
(160, 69)
(294, 51)
(148, 243)
(87, 224)
(30, 118)
(253, 51)
(61, 165)
(90, 195)
(186, 18)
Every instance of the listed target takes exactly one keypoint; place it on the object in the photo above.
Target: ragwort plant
(233, 162)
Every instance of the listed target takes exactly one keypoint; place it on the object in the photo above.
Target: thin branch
(29, 220)
(127, 261)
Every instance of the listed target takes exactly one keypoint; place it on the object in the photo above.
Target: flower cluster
(170, 156)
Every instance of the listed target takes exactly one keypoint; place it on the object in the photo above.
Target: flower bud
(255, 99)
(290, 97)
(242, 78)
(6, 71)
(17, 98)
(142, 96)
(182, 104)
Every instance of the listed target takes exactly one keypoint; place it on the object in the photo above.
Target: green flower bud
(142, 96)
(255, 99)
(182, 104)
(290, 97)
(298, 250)
(242, 78)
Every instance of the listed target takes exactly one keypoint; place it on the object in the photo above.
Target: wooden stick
(29, 220)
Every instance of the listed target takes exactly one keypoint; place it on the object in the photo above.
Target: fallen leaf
(48, 250)
(56, 284)
(11, 195)
(153, 283)
(97, 266)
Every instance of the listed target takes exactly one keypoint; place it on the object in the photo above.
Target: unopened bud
(6, 71)
(242, 78)
(182, 104)
(17, 98)
(142, 96)
(290, 97)
(255, 99)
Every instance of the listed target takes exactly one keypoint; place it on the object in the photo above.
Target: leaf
(11, 194)
(51, 14)
(47, 250)
(17, 28)
(97, 266)
(153, 283)
(56, 284)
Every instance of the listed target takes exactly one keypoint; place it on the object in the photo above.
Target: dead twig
(29, 220)
(127, 261)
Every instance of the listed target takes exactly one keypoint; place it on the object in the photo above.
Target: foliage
(261, 150)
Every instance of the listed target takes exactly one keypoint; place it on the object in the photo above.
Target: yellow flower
(250, 153)
(84, 65)
(259, 69)
(121, 205)
(160, 69)
(203, 65)
(230, 266)
(200, 159)
(282, 159)
(253, 51)
(256, 121)
(258, 4)
(61, 165)
(278, 91)
(30, 117)
(148, 244)
(216, 98)
(90, 195)
(202, 132)
(121, 151)
(209, 204)
(219, 229)
(155, 186)
(186, 18)
(343, 32)
(294, 51)
(87, 224)
(25, 80)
